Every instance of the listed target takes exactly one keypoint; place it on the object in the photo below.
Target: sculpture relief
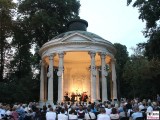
(104, 71)
(48, 74)
(59, 73)
(94, 72)
(79, 81)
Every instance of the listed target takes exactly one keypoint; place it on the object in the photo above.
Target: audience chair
(124, 118)
(139, 118)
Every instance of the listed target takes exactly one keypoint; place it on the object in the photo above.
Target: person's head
(62, 103)
(44, 108)
(69, 103)
(136, 109)
(114, 111)
(72, 111)
(80, 107)
(102, 110)
(49, 106)
(109, 106)
(14, 108)
(88, 109)
(149, 104)
(62, 111)
(106, 105)
(51, 109)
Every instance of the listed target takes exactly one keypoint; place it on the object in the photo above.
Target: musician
(66, 97)
(84, 97)
(73, 97)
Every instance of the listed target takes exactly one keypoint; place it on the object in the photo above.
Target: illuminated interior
(76, 71)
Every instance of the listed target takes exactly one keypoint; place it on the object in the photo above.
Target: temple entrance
(77, 74)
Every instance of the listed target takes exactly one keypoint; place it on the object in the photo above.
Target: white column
(97, 85)
(93, 76)
(42, 84)
(104, 75)
(50, 80)
(114, 79)
(45, 82)
(60, 77)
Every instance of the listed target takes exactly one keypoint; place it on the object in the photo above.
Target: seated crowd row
(125, 110)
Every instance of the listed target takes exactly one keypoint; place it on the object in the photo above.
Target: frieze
(79, 45)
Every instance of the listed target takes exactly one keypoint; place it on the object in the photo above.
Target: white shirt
(8, 112)
(91, 114)
(141, 107)
(136, 114)
(62, 117)
(114, 116)
(149, 109)
(71, 116)
(103, 117)
(2, 112)
(108, 111)
(50, 115)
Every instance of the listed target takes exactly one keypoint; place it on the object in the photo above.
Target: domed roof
(88, 34)
(78, 39)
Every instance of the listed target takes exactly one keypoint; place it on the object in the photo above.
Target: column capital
(51, 56)
(61, 54)
(92, 53)
(102, 53)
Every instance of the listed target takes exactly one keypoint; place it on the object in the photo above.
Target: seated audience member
(80, 113)
(114, 114)
(149, 108)
(89, 115)
(51, 115)
(43, 113)
(62, 115)
(124, 113)
(103, 115)
(72, 114)
(108, 109)
(14, 113)
(136, 113)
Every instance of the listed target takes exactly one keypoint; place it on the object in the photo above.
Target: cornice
(109, 47)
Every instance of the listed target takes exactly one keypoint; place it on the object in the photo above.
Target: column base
(41, 103)
(50, 102)
(59, 101)
(94, 100)
(114, 101)
(104, 100)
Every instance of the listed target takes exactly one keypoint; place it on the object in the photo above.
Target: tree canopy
(121, 59)
(34, 23)
(150, 12)
(6, 22)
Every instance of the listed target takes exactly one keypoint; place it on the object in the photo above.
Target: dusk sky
(113, 20)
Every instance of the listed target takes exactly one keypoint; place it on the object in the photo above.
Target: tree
(47, 18)
(133, 75)
(121, 59)
(6, 22)
(141, 76)
(150, 12)
(37, 22)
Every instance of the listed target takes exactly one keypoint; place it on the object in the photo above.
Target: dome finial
(77, 24)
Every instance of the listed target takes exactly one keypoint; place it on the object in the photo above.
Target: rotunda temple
(80, 62)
